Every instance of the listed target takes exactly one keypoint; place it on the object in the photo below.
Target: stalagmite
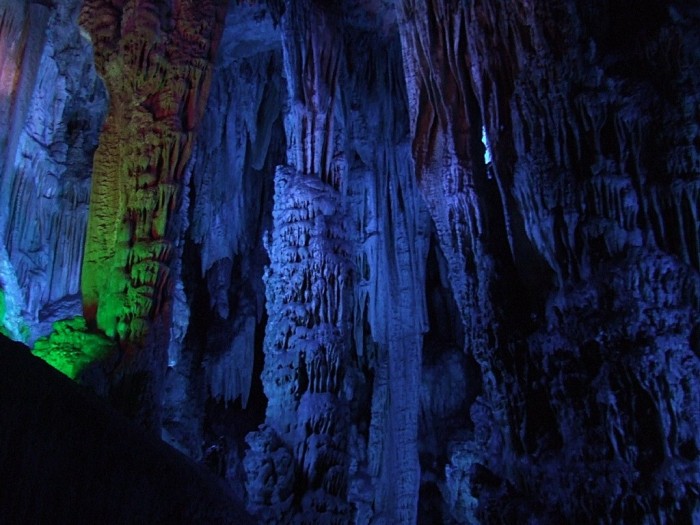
(372, 261)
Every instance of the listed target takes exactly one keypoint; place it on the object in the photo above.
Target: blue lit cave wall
(365, 262)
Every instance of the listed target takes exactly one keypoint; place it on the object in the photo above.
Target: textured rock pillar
(307, 341)
(308, 283)
(392, 228)
(155, 58)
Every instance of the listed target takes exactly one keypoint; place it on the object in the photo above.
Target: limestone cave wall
(371, 261)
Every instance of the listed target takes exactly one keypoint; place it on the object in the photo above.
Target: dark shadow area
(66, 457)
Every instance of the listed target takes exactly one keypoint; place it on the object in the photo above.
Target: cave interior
(352, 262)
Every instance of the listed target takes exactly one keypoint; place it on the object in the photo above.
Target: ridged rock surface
(52, 124)
(155, 59)
(408, 262)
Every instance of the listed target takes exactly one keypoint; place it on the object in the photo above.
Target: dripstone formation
(370, 261)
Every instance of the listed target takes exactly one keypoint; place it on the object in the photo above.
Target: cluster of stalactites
(50, 114)
(156, 62)
(313, 61)
(449, 155)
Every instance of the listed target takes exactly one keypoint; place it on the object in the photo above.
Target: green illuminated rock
(3, 308)
(157, 69)
(71, 348)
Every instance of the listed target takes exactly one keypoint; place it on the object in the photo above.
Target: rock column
(156, 60)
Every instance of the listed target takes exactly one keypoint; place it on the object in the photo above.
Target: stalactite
(154, 102)
(46, 182)
(229, 374)
(221, 159)
(156, 62)
(451, 179)
(238, 144)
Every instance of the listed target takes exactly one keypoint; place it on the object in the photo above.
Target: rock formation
(372, 261)
(53, 108)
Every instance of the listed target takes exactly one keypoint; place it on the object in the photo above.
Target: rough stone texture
(581, 340)
(23, 30)
(391, 246)
(156, 61)
(308, 280)
(307, 340)
(52, 123)
(441, 335)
